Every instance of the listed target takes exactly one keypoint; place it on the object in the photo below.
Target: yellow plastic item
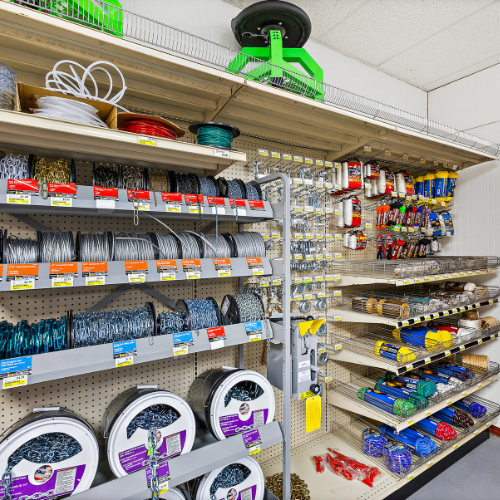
(451, 175)
(433, 339)
(404, 355)
(310, 326)
(442, 174)
(313, 413)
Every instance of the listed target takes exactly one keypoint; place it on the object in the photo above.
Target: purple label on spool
(137, 458)
(48, 482)
(232, 424)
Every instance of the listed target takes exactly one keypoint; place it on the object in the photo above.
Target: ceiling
(427, 43)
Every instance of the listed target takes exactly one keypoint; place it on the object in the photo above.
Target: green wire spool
(214, 134)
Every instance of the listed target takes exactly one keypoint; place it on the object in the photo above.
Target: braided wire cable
(153, 417)
(52, 447)
(249, 244)
(171, 322)
(103, 327)
(133, 246)
(228, 477)
(211, 246)
(95, 247)
(190, 248)
(56, 246)
(202, 314)
(20, 250)
(168, 246)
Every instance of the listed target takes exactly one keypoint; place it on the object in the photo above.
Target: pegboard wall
(91, 394)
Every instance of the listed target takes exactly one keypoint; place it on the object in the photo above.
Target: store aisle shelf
(71, 362)
(361, 350)
(205, 91)
(116, 274)
(184, 467)
(338, 314)
(44, 136)
(345, 396)
(368, 280)
(85, 205)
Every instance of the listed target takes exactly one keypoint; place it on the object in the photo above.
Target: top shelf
(185, 88)
(44, 136)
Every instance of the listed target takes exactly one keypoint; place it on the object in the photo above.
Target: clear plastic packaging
(8, 82)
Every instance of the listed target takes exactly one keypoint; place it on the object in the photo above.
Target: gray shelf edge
(84, 360)
(184, 467)
(85, 205)
(116, 273)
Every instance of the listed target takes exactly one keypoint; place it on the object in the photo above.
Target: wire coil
(170, 322)
(133, 246)
(20, 250)
(95, 247)
(56, 246)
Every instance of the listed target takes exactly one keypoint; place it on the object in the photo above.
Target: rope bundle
(455, 417)
(423, 445)
(397, 457)
(435, 427)
(373, 442)
(474, 408)
(389, 404)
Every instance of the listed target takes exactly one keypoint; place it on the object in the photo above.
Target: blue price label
(183, 338)
(126, 346)
(15, 365)
(253, 326)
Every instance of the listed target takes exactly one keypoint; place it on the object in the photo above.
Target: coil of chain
(57, 171)
(56, 246)
(106, 176)
(170, 322)
(234, 190)
(20, 250)
(299, 489)
(247, 390)
(187, 184)
(133, 178)
(25, 339)
(133, 246)
(14, 166)
(250, 307)
(51, 448)
(158, 183)
(249, 244)
(154, 416)
(207, 187)
(202, 314)
(229, 477)
(103, 327)
(95, 247)
(252, 193)
(153, 464)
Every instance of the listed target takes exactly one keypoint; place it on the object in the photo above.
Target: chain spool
(106, 176)
(134, 178)
(57, 453)
(241, 308)
(199, 313)
(238, 480)
(16, 166)
(232, 401)
(130, 416)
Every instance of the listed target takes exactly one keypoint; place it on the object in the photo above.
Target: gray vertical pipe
(287, 351)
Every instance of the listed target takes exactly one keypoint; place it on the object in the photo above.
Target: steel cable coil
(20, 250)
(189, 245)
(103, 327)
(249, 244)
(169, 246)
(56, 246)
(133, 246)
(95, 247)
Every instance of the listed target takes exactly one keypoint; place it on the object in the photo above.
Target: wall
(473, 105)
(211, 19)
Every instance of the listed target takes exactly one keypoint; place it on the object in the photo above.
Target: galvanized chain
(6, 483)
(153, 464)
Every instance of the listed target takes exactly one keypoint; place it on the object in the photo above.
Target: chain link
(153, 464)
(6, 483)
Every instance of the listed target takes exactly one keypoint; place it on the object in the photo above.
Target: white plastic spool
(252, 488)
(173, 494)
(340, 217)
(126, 455)
(71, 476)
(352, 242)
(346, 240)
(345, 175)
(400, 183)
(348, 212)
(375, 191)
(338, 176)
(206, 397)
(367, 170)
(381, 182)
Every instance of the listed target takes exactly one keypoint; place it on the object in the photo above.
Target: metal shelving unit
(361, 349)
(345, 396)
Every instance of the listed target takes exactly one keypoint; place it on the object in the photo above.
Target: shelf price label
(254, 330)
(14, 372)
(124, 352)
(63, 273)
(182, 341)
(94, 273)
(223, 267)
(22, 276)
(136, 270)
(167, 269)
(192, 268)
(255, 265)
(216, 337)
(173, 202)
(252, 441)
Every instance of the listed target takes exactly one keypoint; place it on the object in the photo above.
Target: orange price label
(190, 263)
(222, 262)
(94, 267)
(22, 270)
(254, 262)
(136, 265)
(63, 268)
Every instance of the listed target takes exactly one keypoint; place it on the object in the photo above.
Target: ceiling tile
(385, 28)
(456, 52)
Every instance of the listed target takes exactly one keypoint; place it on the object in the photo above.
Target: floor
(477, 475)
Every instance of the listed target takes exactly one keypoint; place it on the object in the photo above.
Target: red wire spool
(149, 127)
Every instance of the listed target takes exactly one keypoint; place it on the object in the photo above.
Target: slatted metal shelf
(344, 395)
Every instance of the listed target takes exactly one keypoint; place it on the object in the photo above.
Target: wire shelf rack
(121, 22)
(367, 344)
(352, 435)
(411, 268)
(384, 413)
(418, 300)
